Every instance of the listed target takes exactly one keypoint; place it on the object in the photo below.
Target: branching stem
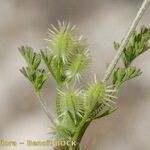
(45, 109)
(126, 39)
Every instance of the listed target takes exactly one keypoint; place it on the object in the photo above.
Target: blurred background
(25, 22)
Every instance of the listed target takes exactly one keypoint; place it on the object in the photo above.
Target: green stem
(44, 106)
(58, 109)
(81, 129)
(126, 39)
(81, 125)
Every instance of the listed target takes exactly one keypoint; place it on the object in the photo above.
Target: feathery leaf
(120, 75)
(137, 45)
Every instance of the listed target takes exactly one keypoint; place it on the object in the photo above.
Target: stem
(81, 126)
(45, 109)
(80, 131)
(58, 109)
(126, 39)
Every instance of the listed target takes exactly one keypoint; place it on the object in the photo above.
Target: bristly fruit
(66, 59)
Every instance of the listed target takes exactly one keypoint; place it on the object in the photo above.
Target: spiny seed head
(61, 40)
(98, 91)
(77, 66)
(71, 102)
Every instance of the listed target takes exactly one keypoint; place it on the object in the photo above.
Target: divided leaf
(32, 59)
(120, 75)
(37, 77)
(137, 45)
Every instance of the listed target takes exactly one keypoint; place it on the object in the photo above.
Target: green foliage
(138, 44)
(32, 72)
(32, 59)
(66, 59)
(120, 75)
(37, 77)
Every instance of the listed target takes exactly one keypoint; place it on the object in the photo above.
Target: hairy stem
(126, 39)
(45, 109)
